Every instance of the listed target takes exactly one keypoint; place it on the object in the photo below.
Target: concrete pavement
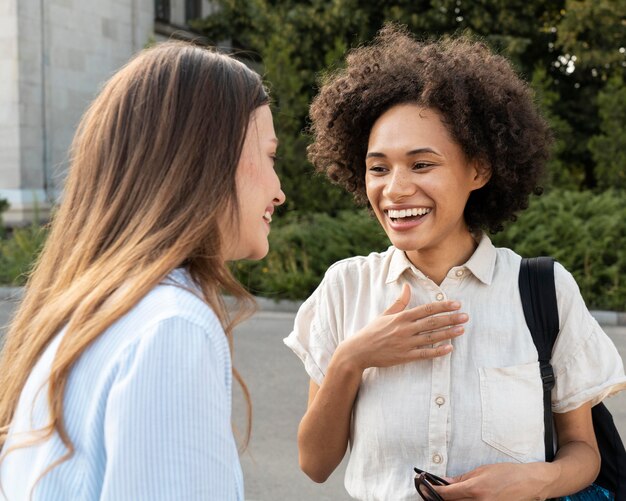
(278, 385)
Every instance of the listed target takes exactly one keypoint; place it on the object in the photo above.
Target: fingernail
(455, 304)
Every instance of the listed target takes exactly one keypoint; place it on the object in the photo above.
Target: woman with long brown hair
(115, 376)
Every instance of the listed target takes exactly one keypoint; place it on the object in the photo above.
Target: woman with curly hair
(420, 355)
(116, 373)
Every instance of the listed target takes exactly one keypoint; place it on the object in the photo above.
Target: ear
(481, 173)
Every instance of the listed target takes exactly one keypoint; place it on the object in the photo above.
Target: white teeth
(397, 214)
(267, 216)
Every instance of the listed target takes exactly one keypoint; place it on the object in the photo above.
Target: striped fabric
(147, 407)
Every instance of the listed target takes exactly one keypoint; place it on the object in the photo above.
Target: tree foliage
(568, 49)
(608, 148)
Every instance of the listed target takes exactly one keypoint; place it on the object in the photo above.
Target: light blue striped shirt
(147, 407)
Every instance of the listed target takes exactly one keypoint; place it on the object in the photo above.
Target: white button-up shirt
(482, 403)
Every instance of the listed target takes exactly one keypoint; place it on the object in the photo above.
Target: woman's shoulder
(177, 296)
(172, 308)
(564, 280)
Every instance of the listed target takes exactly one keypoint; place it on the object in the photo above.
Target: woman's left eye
(421, 165)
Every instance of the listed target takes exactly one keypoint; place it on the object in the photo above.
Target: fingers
(400, 303)
(456, 491)
(429, 309)
(444, 323)
(432, 337)
(445, 327)
(428, 353)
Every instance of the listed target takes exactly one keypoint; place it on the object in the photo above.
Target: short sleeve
(587, 365)
(167, 419)
(316, 332)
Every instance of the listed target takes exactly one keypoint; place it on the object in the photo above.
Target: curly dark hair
(488, 110)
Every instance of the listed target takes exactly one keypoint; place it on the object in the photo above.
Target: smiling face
(418, 182)
(258, 189)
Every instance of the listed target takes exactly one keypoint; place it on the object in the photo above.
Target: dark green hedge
(302, 247)
(584, 231)
(18, 249)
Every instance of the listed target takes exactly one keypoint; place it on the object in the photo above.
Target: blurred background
(56, 54)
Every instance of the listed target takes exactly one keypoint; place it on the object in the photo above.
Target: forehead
(262, 124)
(408, 126)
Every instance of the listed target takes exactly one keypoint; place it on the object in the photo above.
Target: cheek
(371, 191)
(272, 181)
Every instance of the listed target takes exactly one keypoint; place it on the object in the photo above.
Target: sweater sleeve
(167, 421)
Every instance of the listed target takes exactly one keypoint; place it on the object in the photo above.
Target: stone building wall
(54, 57)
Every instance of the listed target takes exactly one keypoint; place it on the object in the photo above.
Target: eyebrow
(376, 154)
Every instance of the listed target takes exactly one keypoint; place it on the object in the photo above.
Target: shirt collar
(398, 264)
(482, 263)
(180, 277)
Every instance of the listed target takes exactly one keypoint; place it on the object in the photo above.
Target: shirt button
(459, 273)
(439, 297)
(440, 401)
(437, 459)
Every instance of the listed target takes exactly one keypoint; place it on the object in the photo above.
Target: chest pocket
(512, 410)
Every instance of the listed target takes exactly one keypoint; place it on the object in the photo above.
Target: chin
(258, 253)
(404, 244)
(252, 255)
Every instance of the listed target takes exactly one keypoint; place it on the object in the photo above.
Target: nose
(280, 199)
(399, 184)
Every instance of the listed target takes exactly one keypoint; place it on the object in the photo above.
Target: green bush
(4, 205)
(18, 251)
(303, 246)
(586, 233)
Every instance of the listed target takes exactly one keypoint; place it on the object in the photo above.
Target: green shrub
(586, 233)
(4, 206)
(303, 246)
(18, 251)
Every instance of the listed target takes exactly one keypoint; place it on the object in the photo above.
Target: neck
(435, 262)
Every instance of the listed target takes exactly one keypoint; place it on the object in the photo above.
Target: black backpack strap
(538, 293)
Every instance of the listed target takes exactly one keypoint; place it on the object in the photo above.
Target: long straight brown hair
(151, 176)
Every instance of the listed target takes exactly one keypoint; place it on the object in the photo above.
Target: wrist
(545, 476)
(346, 359)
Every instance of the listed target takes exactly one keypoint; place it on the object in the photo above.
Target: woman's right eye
(377, 168)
